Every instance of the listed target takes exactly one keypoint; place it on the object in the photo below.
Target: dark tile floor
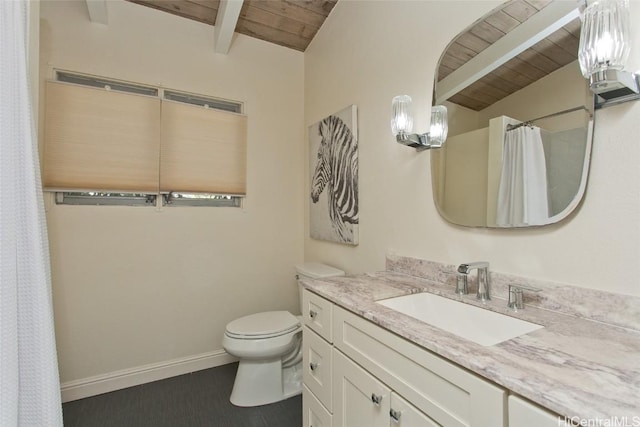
(197, 399)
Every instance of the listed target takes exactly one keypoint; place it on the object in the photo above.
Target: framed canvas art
(333, 161)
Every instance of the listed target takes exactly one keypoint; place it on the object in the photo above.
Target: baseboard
(86, 387)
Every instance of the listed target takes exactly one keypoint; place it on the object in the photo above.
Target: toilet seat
(269, 324)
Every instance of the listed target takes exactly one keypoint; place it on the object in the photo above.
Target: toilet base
(260, 382)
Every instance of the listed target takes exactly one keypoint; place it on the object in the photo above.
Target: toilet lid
(264, 324)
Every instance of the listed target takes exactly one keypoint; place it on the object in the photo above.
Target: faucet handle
(516, 302)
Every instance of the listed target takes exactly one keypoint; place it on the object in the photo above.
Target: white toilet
(269, 346)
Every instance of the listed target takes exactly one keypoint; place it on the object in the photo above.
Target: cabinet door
(313, 413)
(525, 414)
(404, 414)
(359, 400)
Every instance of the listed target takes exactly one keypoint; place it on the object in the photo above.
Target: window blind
(100, 140)
(202, 150)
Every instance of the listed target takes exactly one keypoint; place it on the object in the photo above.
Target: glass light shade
(604, 37)
(439, 127)
(401, 115)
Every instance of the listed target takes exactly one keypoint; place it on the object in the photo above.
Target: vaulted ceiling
(289, 23)
(294, 23)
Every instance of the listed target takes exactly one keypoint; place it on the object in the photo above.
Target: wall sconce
(604, 49)
(402, 125)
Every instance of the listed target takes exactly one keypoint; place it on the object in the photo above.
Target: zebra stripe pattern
(337, 172)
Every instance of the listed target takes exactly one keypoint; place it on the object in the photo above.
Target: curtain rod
(559, 113)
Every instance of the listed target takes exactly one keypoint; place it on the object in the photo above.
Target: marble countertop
(574, 367)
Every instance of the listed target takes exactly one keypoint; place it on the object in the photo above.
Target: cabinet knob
(376, 399)
(395, 415)
(313, 366)
(313, 314)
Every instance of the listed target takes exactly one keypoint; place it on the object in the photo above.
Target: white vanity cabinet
(361, 400)
(446, 393)
(361, 375)
(526, 414)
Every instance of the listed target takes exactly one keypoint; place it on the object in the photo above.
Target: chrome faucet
(462, 283)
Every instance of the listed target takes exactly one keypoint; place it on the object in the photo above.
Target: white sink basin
(467, 321)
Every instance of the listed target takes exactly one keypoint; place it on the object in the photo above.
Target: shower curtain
(29, 382)
(522, 195)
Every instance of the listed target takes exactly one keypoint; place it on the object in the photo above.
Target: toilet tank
(314, 270)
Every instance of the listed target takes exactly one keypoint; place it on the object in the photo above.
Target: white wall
(366, 53)
(132, 286)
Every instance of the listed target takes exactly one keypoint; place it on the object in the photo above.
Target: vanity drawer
(317, 314)
(317, 366)
(448, 394)
(313, 413)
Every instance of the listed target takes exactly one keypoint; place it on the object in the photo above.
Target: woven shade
(202, 150)
(100, 140)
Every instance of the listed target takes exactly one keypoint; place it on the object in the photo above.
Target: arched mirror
(520, 118)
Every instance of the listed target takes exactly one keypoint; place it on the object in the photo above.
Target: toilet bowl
(269, 347)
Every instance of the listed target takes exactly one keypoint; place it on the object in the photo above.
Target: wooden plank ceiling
(294, 23)
(550, 54)
(289, 23)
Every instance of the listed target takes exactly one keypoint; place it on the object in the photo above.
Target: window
(193, 199)
(102, 140)
(203, 101)
(105, 134)
(91, 81)
(199, 150)
(96, 198)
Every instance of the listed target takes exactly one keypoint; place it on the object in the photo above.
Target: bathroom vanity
(368, 365)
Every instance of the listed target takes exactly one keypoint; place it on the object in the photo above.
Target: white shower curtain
(522, 195)
(29, 382)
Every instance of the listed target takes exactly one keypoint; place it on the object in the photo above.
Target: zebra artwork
(334, 147)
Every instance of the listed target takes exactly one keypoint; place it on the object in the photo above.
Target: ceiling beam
(98, 11)
(226, 20)
(539, 26)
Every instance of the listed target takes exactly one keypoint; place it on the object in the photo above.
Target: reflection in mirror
(520, 118)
